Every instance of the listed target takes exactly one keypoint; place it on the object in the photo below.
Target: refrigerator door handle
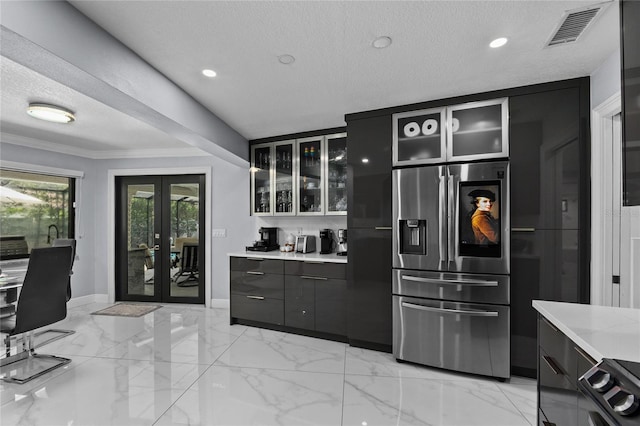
(450, 311)
(479, 283)
(452, 217)
(442, 229)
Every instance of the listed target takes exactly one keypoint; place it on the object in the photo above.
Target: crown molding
(98, 155)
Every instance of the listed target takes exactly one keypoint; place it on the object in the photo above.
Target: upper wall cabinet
(467, 132)
(304, 177)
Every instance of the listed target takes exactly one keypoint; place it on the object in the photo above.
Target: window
(35, 209)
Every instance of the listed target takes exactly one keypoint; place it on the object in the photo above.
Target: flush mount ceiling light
(381, 42)
(209, 73)
(286, 59)
(51, 113)
(498, 42)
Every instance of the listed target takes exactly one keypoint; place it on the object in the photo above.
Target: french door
(160, 238)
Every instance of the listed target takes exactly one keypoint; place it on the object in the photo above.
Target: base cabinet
(296, 296)
(560, 364)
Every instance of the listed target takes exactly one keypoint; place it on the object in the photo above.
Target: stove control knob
(621, 401)
(599, 380)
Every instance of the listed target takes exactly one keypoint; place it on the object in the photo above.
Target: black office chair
(188, 266)
(42, 302)
(57, 333)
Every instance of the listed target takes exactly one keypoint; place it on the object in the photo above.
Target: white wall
(229, 194)
(605, 84)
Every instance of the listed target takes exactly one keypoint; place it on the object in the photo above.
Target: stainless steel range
(611, 394)
(451, 267)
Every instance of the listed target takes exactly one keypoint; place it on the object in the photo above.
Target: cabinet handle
(255, 273)
(255, 297)
(523, 229)
(585, 356)
(383, 228)
(552, 365)
(307, 277)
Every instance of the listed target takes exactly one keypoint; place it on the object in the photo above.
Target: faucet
(49, 233)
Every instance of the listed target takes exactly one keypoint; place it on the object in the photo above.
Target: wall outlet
(299, 231)
(219, 233)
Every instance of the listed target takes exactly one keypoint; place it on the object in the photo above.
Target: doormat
(127, 310)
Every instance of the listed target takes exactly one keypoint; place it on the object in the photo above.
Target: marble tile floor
(185, 365)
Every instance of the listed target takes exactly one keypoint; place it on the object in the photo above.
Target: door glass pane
(477, 130)
(140, 238)
(284, 178)
(262, 181)
(337, 167)
(310, 196)
(419, 136)
(185, 251)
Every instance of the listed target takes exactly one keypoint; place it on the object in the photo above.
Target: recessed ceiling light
(381, 42)
(498, 42)
(286, 59)
(209, 73)
(365, 160)
(51, 113)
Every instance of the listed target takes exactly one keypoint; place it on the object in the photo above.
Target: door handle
(478, 283)
(450, 311)
(156, 247)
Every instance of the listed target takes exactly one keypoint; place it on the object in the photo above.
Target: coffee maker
(326, 241)
(268, 240)
(342, 242)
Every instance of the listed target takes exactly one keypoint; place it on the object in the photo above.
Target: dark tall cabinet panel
(549, 157)
(630, 61)
(369, 226)
(369, 172)
(369, 278)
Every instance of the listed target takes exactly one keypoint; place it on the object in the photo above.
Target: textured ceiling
(440, 49)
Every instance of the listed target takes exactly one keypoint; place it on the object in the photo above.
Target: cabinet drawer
(246, 264)
(558, 347)
(257, 309)
(316, 269)
(265, 285)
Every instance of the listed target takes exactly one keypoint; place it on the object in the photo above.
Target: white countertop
(308, 257)
(601, 331)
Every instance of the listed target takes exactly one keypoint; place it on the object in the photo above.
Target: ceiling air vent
(574, 23)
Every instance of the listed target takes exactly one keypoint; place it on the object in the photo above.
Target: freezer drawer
(465, 337)
(476, 288)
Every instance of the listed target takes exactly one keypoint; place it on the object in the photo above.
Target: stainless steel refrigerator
(451, 267)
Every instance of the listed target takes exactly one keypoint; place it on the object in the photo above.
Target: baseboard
(220, 303)
(84, 300)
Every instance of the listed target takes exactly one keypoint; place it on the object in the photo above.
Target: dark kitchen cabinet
(299, 302)
(561, 363)
(369, 221)
(369, 172)
(549, 163)
(545, 160)
(331, 306)
(630, 62)
(257, 290)
(369, 277)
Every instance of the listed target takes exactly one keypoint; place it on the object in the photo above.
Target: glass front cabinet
(466, 132)
(304, 177)
(336, 173)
